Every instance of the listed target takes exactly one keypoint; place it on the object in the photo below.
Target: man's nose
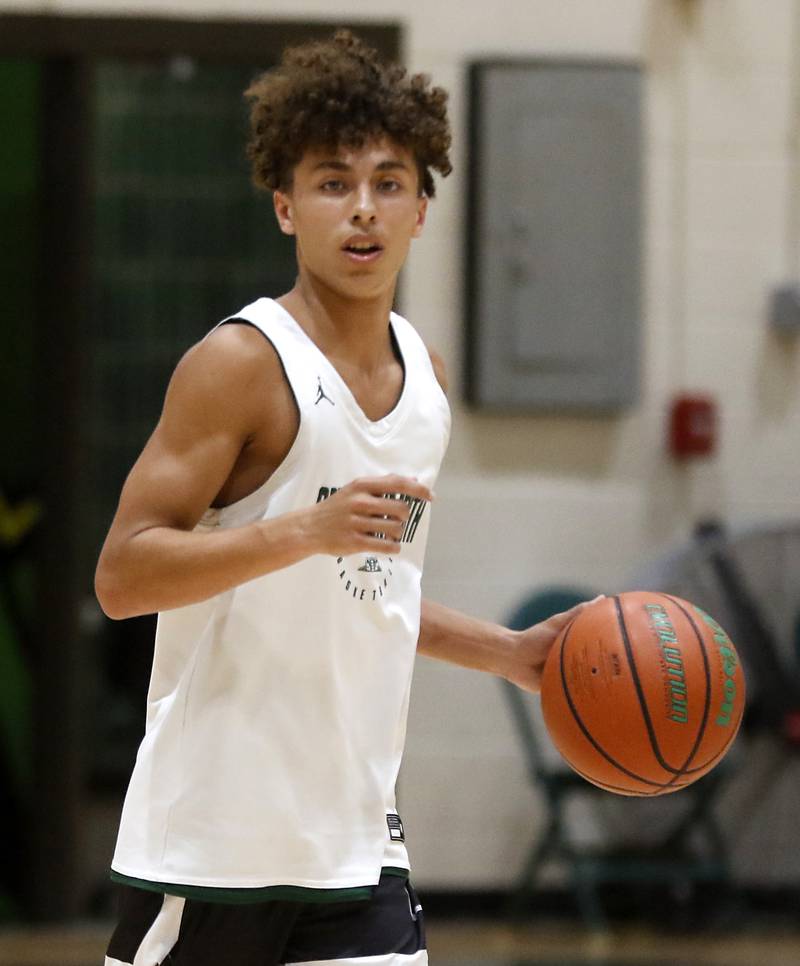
(364, 207)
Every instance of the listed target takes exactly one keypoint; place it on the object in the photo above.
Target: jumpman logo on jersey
(321, 394)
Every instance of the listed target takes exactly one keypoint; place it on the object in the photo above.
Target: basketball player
(277, 520)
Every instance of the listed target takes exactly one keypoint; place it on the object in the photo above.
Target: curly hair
(337, 93)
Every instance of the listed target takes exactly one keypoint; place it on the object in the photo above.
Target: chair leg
(701, 816)
(546, 843)
(591, 910)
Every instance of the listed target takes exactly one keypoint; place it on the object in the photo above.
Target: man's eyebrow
(332, 164)
(390, 164)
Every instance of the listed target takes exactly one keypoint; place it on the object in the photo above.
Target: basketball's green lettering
(729, 662)
(673, 662)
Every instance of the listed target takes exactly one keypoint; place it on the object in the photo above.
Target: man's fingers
(381, 546)
(392, 509)
(393, 484)
(566, 616)
(382, 509)
(373, 513)
(389, 529)
(386, 509)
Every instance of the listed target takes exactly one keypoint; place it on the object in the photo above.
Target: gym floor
(459, 943)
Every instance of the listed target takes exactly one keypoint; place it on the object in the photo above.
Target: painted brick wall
(525, 501)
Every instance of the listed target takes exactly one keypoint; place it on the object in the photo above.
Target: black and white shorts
(164, 930)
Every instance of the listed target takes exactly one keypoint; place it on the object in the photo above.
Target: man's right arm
(219, 396)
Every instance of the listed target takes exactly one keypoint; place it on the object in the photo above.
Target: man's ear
(284, 211)
(422, 211)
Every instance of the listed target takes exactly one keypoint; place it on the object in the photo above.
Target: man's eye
(390, 184)
(334, 184)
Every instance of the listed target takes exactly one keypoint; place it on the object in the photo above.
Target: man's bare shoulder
(230, 374)
(231, 358)
(234, 350)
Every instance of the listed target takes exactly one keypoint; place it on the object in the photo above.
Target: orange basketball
(643, 693)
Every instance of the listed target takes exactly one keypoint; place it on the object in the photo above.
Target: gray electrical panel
(554, 236)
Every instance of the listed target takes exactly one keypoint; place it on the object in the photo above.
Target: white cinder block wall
(530, 500)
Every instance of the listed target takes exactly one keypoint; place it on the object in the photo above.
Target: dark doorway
(132, 230)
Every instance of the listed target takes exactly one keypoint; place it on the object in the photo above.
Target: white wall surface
(530, 500)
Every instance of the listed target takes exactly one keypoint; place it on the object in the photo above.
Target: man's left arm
(449, 635)
(518, 656)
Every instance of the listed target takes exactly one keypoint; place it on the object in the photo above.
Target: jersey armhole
(238, 320)
(232, 510)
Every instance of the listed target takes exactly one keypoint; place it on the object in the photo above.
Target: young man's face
(353, 212)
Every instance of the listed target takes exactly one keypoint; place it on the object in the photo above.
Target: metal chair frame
(675, 859)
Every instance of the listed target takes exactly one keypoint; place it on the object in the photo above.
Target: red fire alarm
(693, 426)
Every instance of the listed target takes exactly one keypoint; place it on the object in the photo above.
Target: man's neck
(347, 328)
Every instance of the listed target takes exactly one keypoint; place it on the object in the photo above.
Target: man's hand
(366, 515)
(527, 658)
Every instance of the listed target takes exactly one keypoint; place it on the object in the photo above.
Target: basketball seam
(702, 731)
(587, 734)
(709, 762)
(625, 791)
(676, 772)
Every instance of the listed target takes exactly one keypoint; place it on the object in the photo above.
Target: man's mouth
(362, 249)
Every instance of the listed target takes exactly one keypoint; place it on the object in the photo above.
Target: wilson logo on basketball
(675, 680)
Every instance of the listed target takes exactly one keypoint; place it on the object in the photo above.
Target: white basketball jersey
(276, 712)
